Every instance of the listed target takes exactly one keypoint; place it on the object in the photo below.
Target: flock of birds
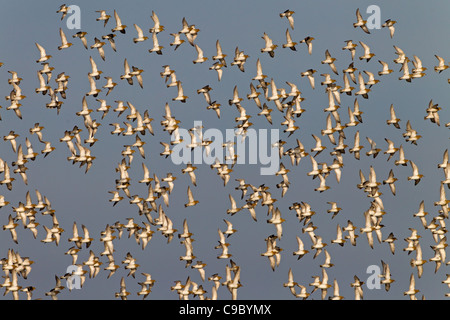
(265, 94)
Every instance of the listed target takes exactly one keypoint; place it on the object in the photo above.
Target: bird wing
(93, 88)
(415, 168)
(190, 196)
(300, 243)
(199, 51)
(94, 65)
(126, 66)
(63, 36)
(366, 48)
(291, 21)
(118, 21)
(267, 40)
(358, 15)
(75, 230)
(155, 40)
(41, 50)
(218, 48)
(139, 31)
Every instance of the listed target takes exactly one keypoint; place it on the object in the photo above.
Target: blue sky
(83, 198)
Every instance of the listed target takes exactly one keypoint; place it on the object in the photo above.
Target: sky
(84, 198)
